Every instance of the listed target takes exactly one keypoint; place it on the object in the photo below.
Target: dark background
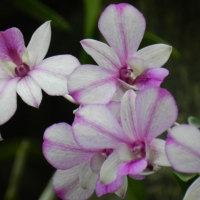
(175, 21)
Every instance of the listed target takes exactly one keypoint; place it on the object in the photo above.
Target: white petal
(96, 128)
(183, 149)
(52, 73)
(29, 91)
(39, 43)
(158, 148)
(123, 27)
(193, 193)
(96, 162)
(61, 150)
(67, 187)
(8, 99)
(155, 55)
(122, 191)
(87, 178)
(102, 54)
(89, 84)
(156, 111)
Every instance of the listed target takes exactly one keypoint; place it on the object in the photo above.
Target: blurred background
(168, 21)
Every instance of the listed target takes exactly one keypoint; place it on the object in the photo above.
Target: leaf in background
(136, 190)
(41, 12)
(150, 38)
(194, 121)
(184, 177)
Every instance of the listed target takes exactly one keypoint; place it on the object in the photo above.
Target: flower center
(22, 70)
(139, 149)
(127, 75)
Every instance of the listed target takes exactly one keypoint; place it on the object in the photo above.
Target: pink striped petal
(96, 128)
(52, 73)
(60, 148)
(184, 140)
(128, 115)
(39, 43)
(29, 91)
(102, 54)
(66, 185)
(123, 27)
(150, 77)
(89, 84)
(158, 148)
(155, 55)
(156, 111)
(193, 193)
(12, 45)
(8, 99)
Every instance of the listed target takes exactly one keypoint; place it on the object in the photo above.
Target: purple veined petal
(8, 99)
(109, 169)
(66, 185)
(184, 140)
(29, 91)
(128, 115)
(122, 191)
(137, 177)
(87, 178)
(103, 55)
(119, 91)
(115, 186)
(123, 27)
(52, 73)
(155, 55)
(158, 148)
(156, 111)
(150, 77)
(114, 108)
(12, 45)
(193, 192)
(60, 148)
(96, 128)
(96, 162)
(89, 84)
(39, 44)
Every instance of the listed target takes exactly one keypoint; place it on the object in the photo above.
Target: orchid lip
(22, 70)
(126, 75)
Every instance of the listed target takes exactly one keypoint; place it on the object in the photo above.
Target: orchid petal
(155, 55)
(150, 77)
(92, 84)
(124, 153)
(87, 178)
(96, 128)
(123, 27)
(96, 162)
(128, 115)
(39, 43)
(29, 91)
(122, 191)
(8, 99)
(4, 71)
(137, 177)
(193, 193)
(102, 54)
(158, 148)
(52, 73)
(156, 111)
(67, 187)
(114, 108)
(12, 45)
(184, 140)
(60, 148)
(119, 92)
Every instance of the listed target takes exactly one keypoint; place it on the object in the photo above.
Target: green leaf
(150, 38)
(136, 190)
(41, 12)
(194, 121)
(184, 177)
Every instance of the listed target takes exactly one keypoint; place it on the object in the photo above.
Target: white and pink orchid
(135, 149)
(183, 153)
(23, 70)
(120, 65)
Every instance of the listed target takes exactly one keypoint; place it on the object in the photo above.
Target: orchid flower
(136, 150)
(23, 70)
(183, 153)
(120, 65)
(77, 174)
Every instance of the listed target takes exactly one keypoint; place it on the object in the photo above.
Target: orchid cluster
(122, 109)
